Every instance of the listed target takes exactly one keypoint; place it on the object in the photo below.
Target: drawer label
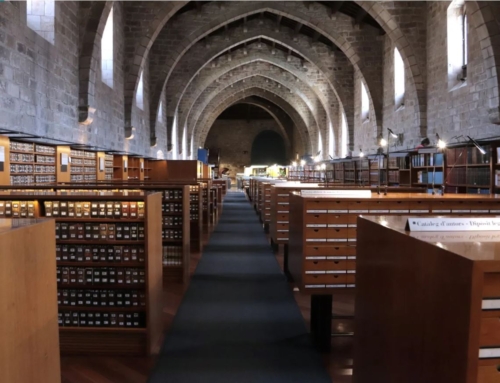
(314, 286)
(316, 225)
(335, 286)
(316, 240)
(351, 240)
(479, 211)
(419, 211)
(491, 304)
(282, 239)
(487, 353)
(337, 240)
(283, 203)
(352, 257)
(351, 271)
(352, 285)
(336, 272)
(316, 211)
(441, 211)
(353, 225)
(283, 211)
(313, 258)
(494, 211)
(358, 211)
(399, 211)
(282, 231)
(337, 211)
(460, 211)
(337, 257)
(315, 272)
(338, 225)
(379, 211)
(282, 221)
(282, 195)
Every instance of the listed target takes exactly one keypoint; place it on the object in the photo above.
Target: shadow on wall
(268, 148)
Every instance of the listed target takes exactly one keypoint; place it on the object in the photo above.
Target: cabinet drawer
(317, 206)
(342, 220)
(379, 207)
(491, 285)
(314, 251)
(399, 207)
(322, 265)
(359, 207)
(420, 207)
(488, 371)
(441, 207)
(316, 233)
(319, 218)
(490, 332)
(324, 278)
(338, 251)
(338, 207)
(336, 233)
(282, 217)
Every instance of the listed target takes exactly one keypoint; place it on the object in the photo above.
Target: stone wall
(234, 138)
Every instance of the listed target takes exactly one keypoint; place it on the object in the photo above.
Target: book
(31, 209)
(125, 209)
(110, 209)
(15, 209)
(117, 210)
(94, 209)
(23, 209)
(2, 209)
(71, 209)
(133, 210)
(86, 209)
(140, 209)
(55, 208)
(63, 208)
(78, 209)
(103, 231)
(102, 209)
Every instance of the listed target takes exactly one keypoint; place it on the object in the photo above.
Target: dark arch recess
(268, 148)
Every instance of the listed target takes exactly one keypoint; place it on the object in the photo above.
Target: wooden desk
(323, 232)
(29, 347)
(419, 299)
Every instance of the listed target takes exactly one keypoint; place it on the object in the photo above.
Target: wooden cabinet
(109, 267)
(427, 305)
(29, 350)
(325, 228)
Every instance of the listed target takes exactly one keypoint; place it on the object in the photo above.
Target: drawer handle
(316, 230)
(335, 276)
(336, 262)
(498, 368)
(316, 216)
(316, 248)
(337, 230)
(315, 262)
(337, 248)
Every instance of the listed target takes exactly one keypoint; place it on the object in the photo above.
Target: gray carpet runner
(238, 321)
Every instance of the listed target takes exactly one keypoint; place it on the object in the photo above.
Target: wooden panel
(186, 170)
(155, 271)
(95, 342)
(62, 176)
(5, 173)
(101, 175)
(29, 347)
(490, 332)
(488, 371)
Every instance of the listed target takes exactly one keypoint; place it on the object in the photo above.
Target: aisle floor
(238, 321)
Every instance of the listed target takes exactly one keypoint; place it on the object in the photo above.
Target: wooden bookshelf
(108, 167)
(120, 167)
(176, 233)
(31, 163)
(196, 216)
(187, 170)
(89, 249)
(28, 329)
(469, 171)
(84, 166)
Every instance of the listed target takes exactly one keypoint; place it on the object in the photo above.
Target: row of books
(30, 147)
(101, 319)
(427, 159)
(81, 153)
(17, 209)
(468, 155)
(172, 207)
(102, 209)
(172, 194)
(82, 169)
(429, 177)
(30, 179)
(93, 253)
(118, 276)
(101, 298)
(29, 168)
(83, 177)
(172, 256)
(470, 176)
(30, 158)
(171, 234)
(96, 231)
(172, 220)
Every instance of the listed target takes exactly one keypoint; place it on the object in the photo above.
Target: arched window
(40, 16)
(344, 141)
(107, 51)
(365, 103)
(160, 112)
(457, 27)
(139, 100)
(399, 79)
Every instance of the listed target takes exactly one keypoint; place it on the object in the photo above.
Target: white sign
(453, 224)
(337, 193)
(2, 154)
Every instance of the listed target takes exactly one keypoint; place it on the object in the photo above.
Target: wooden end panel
(296, 240)
(154, 265)
(115, 343)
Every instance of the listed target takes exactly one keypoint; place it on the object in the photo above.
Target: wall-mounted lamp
(382, 141)
(361, 154)
(302, 162)
(323, 166)
(294, 164)
(394, 135)
(440, 143)
(479, 147)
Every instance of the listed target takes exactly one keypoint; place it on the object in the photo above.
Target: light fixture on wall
(440, 143)
(129, 132)
(382, 142)
(302, 162)
(294, 164)
(361, 154)
(475, 143)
